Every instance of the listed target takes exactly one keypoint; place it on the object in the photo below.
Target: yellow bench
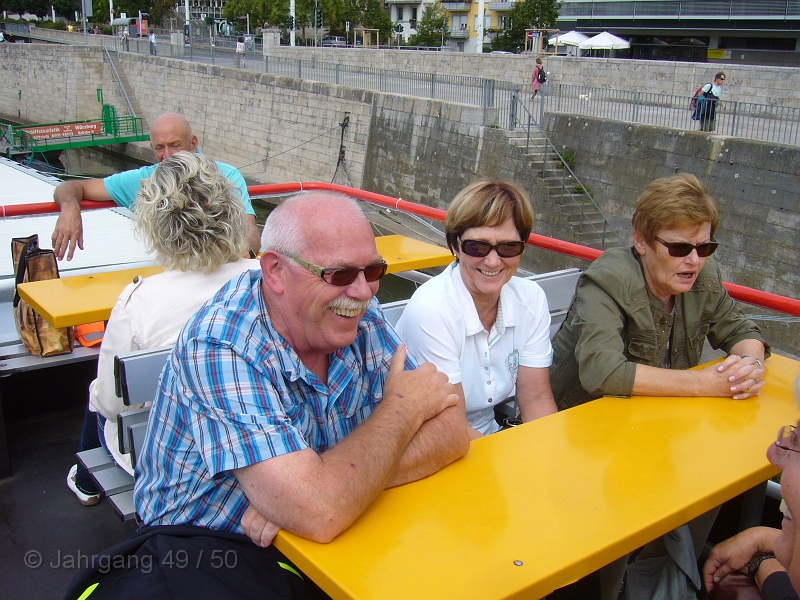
(87, 298)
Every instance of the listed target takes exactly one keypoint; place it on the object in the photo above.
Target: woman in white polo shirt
(487, 331)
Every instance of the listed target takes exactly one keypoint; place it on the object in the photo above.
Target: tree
(429, 27)
(527, 14)
(375, 17)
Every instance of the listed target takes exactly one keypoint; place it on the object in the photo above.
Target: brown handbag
(31, 263)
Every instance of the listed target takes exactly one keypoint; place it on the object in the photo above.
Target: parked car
(334, 40)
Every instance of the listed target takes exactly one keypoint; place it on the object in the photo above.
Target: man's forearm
(438, 442)
(319, 496)
(253, 235)
(68, 192)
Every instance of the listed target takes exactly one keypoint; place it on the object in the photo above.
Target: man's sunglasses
(480, 249)
(681, 249)
(344, 276)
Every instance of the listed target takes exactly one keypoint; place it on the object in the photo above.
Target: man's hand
(258, 528)
(69, 227)
(68, 232)
(424, 388)
(734, 553)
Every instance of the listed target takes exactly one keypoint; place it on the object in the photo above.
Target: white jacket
(151, 313)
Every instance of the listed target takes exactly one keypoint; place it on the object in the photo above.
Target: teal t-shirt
(123, 187)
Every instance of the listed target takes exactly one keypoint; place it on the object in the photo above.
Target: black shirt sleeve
(778, 587)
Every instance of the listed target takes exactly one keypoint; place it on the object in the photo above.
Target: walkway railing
(789, 306)
(780, 124)
(107, 58)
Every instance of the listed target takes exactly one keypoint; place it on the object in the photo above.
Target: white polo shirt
(441, 325)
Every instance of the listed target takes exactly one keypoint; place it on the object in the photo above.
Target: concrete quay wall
(274, 129)
(745, 83)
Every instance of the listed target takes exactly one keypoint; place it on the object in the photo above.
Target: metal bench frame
(136, 376)
(15, 358)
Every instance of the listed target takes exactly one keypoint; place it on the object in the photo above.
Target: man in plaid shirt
(288, 402)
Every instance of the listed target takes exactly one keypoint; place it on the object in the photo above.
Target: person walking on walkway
(710, 102)
(152, 39)
(240, 54)
(538, 78)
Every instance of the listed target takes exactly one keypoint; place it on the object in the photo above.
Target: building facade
(736, 31)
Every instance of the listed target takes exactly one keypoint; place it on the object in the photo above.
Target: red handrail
(782, 304)
(41, 208)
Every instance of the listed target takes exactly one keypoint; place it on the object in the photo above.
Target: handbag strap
(22, 266)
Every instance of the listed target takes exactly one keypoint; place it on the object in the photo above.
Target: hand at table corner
(258, 528)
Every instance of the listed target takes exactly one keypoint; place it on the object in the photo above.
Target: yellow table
(88, 298)
(81, 299)
(534, 508)
(406, 254)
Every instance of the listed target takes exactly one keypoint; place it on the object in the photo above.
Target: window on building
(759, 43)
(487, 21)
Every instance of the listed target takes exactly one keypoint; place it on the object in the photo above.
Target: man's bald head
(171, 133)
(295, 225)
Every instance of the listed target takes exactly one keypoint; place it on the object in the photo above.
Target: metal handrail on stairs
(107, 58)
(522, 117)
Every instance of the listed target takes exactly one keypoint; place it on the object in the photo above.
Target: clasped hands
(738, 377)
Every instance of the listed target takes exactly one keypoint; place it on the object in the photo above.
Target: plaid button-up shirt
(234, 393)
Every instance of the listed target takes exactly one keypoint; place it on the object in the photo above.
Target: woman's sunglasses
(681, 249)
(480, 249)
(344, 276)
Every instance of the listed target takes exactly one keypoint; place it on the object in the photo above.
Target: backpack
(698, 94)
(541, 76)
(698, 104)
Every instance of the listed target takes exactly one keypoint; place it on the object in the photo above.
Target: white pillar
(481, 11)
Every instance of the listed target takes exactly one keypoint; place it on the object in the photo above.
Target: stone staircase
(577, 210)
(122, 82)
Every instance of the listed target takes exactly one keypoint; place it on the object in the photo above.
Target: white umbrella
(571, 38)
(604, 41)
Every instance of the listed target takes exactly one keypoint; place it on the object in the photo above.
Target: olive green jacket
(615, 322)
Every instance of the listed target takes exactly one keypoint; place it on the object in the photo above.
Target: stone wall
(55, 81)
(274, 129)
(745, 83)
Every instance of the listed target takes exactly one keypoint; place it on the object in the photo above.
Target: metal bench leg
(5, 461)
(752, 506)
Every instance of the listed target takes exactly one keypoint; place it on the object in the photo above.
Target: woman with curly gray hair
(192, 219)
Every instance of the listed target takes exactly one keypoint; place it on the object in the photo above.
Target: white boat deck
(109, 240)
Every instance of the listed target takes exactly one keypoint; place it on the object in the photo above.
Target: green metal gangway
(49, 137)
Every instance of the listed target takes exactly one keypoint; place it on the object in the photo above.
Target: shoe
(83, 498)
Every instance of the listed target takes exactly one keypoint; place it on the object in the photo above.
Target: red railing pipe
(42, 208)
(782, 304)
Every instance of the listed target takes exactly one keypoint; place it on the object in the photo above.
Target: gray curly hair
(191, 216)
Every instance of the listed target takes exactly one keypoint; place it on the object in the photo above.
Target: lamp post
(248, 23)
(444, 22)
(292, 36)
